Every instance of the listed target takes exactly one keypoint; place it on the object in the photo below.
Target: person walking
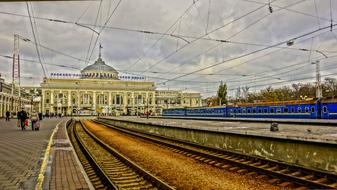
(7, 115)
(22, 116)
(34, 117)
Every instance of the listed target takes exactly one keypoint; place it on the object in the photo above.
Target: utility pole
(16, 70)
(318, 80)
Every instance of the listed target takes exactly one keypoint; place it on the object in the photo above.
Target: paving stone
(20, 153)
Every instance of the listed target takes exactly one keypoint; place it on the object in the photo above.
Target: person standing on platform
(22, 116)
(7, 115)
(34, 118)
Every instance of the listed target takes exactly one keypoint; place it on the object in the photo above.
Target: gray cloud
(121, 49)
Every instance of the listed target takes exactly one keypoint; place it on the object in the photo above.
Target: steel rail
(295, 174)
(156, 182)
(95, 166)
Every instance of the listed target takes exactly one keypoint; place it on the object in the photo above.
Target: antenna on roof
(100, 47)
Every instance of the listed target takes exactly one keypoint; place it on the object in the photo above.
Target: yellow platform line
(41, 176)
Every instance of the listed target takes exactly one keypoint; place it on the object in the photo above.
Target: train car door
(319, 110)
(325, 111)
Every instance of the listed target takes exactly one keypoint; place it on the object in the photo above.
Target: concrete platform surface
(66, 171)
(21, 153)
(29, 159)
(316, 133)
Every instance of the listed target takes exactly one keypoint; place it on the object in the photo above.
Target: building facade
(176, 99)
(98, 90)
(11, 102)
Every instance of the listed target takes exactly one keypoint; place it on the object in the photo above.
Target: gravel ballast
(177, 170)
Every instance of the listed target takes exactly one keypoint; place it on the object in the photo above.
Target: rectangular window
(306, 110)
(285, 110)
(278, 110)
(260, 110)
(265, 110)
(271, 110)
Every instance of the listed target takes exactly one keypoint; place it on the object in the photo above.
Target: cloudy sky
(187, 45)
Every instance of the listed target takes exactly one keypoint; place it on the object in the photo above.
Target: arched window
(299, 110)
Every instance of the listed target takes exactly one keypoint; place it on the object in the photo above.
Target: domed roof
(99, 66)
(99, 70)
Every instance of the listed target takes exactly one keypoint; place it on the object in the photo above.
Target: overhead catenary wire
(202, 36)
(103, 27)
(93, 32)
(250, 53)
(227, 40)
(165, 33)
(36, 46)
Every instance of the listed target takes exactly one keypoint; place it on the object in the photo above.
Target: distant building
(9, 102)
(97, 90)
(100, 89)
(176, 99)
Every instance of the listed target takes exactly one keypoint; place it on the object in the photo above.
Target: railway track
(105, 167)
(278, 173)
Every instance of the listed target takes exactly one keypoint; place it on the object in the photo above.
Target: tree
(222, 93)
(330, 87)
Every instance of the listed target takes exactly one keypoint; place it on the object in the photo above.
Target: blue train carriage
(328, 108)
(218, 111)
(299, 109)
(174, 112)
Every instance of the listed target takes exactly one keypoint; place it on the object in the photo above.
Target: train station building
(9, 101)
(100, 88)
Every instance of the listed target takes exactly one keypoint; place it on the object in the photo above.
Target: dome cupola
(99, 70)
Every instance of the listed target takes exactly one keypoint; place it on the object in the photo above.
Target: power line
(36, 61)
(250, 53)
(165, 33)
(36, 46)
(92, 34)
(106, 22)
(196, 39)
(291, 10)
(318, 22)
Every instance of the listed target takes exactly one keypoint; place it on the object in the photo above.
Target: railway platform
(326, 131)
(30, 159)
(308, 146)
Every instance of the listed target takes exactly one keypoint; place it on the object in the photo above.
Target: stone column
(78, 100)
(109, 102)
(69, 103)
(94, 100)
(51, 105)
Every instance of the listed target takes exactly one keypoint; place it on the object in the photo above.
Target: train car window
(239, 110)
(278, 110)
(299, 110)
(243, 111)
(312, 109)
(285, 110)
(265, 110)
(325, 109)
(271, 110)
(234, 110)
(306, 110)
(292, 110)
(248, 110)
(254, 110)
(260, 110)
